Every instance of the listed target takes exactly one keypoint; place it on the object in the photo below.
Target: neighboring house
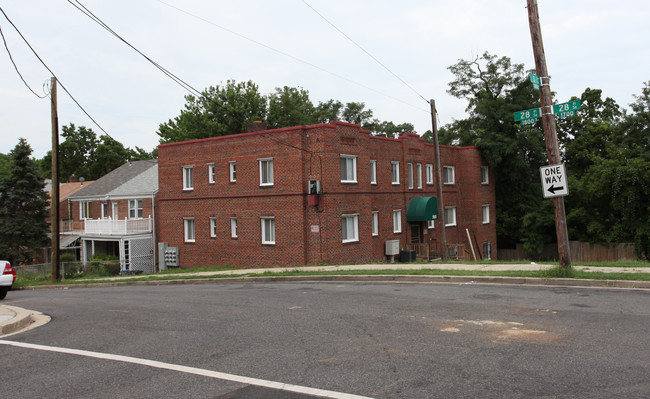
(328, 193)
(116, 215)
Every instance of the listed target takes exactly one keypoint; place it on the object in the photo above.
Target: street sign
(525, 122)
(528, 114)
(567, 109)
(535, 80)
(554, 180)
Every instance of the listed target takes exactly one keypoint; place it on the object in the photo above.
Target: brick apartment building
(244, 200)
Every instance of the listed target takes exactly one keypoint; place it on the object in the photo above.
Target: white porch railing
(118, 227)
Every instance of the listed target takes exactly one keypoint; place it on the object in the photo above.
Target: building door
(416, 233)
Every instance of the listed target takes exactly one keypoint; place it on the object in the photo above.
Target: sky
(391, 55)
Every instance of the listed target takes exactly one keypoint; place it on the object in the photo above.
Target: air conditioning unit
(392, 247)
(314, 187)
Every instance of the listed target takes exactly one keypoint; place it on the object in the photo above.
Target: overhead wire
(16, 66)
(78, 5)
(54, 75)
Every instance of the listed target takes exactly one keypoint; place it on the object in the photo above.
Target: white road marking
(189, 370)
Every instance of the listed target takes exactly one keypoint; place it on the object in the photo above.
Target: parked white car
(7, 278)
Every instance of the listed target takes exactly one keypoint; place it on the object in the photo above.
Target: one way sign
(554, 180)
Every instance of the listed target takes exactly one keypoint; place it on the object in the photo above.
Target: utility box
(162, 247)
(313, 187)
(407, 256)
(171, 257)
(392, 247)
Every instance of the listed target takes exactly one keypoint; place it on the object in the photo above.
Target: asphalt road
(385, 340)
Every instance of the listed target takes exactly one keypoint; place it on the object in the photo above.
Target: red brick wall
(307, 234)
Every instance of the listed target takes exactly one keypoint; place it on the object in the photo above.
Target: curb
(22, 319)
(562, 282)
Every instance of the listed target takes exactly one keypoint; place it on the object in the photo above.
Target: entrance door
(416, 234)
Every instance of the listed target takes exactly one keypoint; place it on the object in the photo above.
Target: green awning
(422, 209)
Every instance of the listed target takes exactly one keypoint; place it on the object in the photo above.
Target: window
(484, 175)
(233, 171)
(268, 230)
(213, 227)
(211, 173)
(373, 172)
(450, 216)
(487, 250)
(410, 173)
(348, 169)
(375, 223)
(135, 209)
(429, 173)
(419, 174)
(188, 225)
(105, 210)
(397, 221)
(114, 214)
(395, 171)
(350, 228)
(233, 227)
(448, 174)
(266, 172)
(486, 214)
(188, 178)
(85, 210)
(431, 224)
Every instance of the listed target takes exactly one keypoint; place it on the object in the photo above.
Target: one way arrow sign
(554, 180)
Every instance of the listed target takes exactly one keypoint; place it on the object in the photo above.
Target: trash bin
(407, 255)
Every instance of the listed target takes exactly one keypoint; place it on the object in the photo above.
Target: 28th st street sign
(554, 180)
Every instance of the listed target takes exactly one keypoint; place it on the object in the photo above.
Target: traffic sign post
(554, 180)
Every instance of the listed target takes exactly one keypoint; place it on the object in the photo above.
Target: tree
(76, 151)
(290, 106)
(355, 113)
(495, 88)
(328, 111)
(23, 207)
(218, 111)
(107, 156)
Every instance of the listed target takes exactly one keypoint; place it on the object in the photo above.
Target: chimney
(72, 179)
(256, 126)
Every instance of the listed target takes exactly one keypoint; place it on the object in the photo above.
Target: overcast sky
(598, 44)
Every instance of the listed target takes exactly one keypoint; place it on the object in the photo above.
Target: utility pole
(550, 129)
(54, 197)
(441, 204)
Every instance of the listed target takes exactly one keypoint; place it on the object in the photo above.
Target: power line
(16, 67)
(78, 5)
(53, 74)
(287, 55)
(364, 50)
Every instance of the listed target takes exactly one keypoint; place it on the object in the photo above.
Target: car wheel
(3, 292)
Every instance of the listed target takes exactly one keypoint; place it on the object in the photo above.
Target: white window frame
(350, 228)
(429, 173)
(211, 173)
(485, 210)
(409, 168)
(350, 162)
(270, 239)
(85, 210)
(449, 175)
(373, 171)
(114, 212)
(213, 227)
(431, 224)
(233, 227)
(266, 164)
(104, 210)
(135, 209)
(232, 171)
(450, 216)
(394, 165)
(487, 250)
(189, 230)
(375, 223)
(397, 221)
(485, 175)
(188, 178)
(418, 174)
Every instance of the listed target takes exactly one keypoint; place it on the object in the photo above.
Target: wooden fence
(580, 252)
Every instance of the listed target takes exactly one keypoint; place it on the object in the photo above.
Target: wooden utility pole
(441, 204)
(550, 129)
(54, 197)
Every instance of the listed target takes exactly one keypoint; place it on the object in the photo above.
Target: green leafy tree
(356, 113)
(290, 106)
(107, 156)
(218, 111)
(75, 152)
(329, 111)
(495, 88)
(5, 165)
(23, 207)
